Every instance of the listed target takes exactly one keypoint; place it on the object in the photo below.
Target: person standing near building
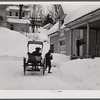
(48, 58)
(79, 42)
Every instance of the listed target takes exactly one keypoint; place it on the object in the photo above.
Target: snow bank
(58, 59)
(43, 34)
(12, 43)
(82, 74)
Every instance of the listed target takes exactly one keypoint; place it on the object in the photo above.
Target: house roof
(47, 26)
(53, 29)
(23, 21)
(12, 8)
(68, 8)
(81, 11)
(74, 11)
(63, 26)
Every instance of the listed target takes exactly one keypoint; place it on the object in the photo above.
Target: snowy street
(80, 74)
(12, 77)
(11, 73)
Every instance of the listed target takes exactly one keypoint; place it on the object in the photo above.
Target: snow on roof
(47, 26)
(81, 11)
(16, 8)
(63, 26)
(23, 21)
(53, 28)
(12, 8)
(69, 7)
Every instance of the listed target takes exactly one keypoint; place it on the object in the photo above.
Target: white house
(80, 37)
(13, 21)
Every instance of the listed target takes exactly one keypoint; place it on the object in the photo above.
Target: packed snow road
(12, 77)
(11, 70)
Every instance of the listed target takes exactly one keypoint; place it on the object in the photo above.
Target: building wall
(85, 40)
(83, 34)
(65, 34)
(54, 40)
(62, 42)
(92, 42)
(3, 14)
(19, 27)
(98, 44)
(13, 13)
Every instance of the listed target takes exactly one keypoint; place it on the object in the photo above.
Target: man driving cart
(36, 52)
(35, 57)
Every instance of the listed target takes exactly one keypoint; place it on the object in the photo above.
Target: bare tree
(36, 15)
(54, 10)
(3, 13)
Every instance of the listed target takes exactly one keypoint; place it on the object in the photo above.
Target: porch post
(88, 33)
(71, 43)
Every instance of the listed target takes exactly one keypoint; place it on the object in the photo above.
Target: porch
(89, 26)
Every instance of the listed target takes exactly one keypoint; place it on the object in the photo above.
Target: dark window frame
(16, 13)
(10, 13)
(11, 26)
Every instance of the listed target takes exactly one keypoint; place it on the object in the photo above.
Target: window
(12, 27)
(10, 13)
(23, 14)
(62, 46)
(16, 13)
(62, 42)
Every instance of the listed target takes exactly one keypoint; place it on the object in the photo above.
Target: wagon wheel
(24, 64)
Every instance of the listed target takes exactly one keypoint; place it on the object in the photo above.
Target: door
(62, 46)
(52, 48)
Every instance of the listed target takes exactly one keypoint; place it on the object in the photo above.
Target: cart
(34, 62)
